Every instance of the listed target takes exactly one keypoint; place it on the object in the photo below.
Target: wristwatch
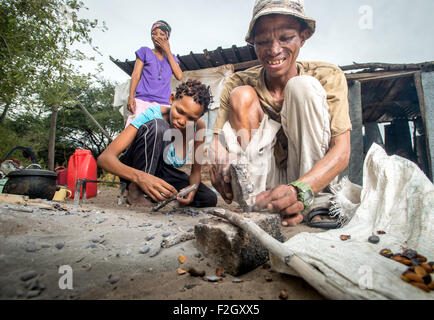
(304, 193)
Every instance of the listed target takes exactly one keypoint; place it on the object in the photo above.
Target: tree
(76, 129)
(36, 41)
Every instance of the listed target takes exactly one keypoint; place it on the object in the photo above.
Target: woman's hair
(200, 93)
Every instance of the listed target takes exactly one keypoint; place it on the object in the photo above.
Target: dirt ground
(101, 242)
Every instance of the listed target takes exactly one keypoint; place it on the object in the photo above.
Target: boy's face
(183, 110)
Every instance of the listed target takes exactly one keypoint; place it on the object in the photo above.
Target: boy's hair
(200, 93)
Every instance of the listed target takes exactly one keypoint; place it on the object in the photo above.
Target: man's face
(277, 43)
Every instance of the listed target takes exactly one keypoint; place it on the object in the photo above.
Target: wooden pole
(94, 121)
(314, 277)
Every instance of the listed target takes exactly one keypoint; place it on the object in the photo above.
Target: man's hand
(282, 199)
(219, 172)
(159, 190)
(131, 105)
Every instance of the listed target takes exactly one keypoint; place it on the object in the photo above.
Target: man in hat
(288, 120)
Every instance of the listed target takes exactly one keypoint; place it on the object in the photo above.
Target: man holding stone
(288, 120)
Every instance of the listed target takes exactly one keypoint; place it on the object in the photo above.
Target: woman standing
(150, 81)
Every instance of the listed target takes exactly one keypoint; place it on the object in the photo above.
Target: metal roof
(388, 90)
(240, 57)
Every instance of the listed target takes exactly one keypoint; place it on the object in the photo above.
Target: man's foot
(136, 197)
(320, 218)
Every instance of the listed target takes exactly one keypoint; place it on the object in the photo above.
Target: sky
(389, 31)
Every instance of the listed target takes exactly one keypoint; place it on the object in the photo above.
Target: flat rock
(212, 278)
(166, 234)
(233, 249)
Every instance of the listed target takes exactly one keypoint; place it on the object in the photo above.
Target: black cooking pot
(34, 183)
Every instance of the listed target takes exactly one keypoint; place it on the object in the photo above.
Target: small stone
(33, 293)
(113, 280)
(212, 279)
(190, 230)
(149, 238)
(19, 293)
(91, 246)
(28, 275)
(190, 286)
(31, 249)
(59, 245)
(166, 234)
(159, 225)
(283, 295)
(198, 255)
(99, 220)
(95, 240)
(374, 239)
(45, 246)
(145, 250)
(236, 280)
(268, 278)
(154, 254)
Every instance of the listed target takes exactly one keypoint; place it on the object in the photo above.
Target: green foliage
(36, 39)
(74, 129)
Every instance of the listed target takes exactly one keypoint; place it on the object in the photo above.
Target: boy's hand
(158, 189)
(187, 200)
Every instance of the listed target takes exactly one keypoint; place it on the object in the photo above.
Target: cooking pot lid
(32, 172)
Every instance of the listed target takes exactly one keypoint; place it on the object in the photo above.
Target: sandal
(333, 223)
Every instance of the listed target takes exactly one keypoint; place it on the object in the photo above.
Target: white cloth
(397, 198)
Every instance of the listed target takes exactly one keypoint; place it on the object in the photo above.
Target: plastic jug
(62, 176)
(82, 165)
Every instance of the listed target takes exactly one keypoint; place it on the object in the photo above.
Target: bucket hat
(287, 7)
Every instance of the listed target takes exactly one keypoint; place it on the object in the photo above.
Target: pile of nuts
(419, 272)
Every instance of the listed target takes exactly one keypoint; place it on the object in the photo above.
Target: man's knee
(243, 98)
(305, 87)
